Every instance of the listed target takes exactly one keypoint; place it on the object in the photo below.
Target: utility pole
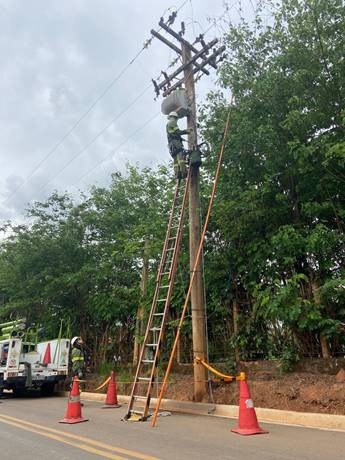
(197, 296)
(193, 62)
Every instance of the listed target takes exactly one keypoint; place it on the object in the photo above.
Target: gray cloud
(56, 58)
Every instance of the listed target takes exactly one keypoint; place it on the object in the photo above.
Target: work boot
(177, 172)
(183, 170)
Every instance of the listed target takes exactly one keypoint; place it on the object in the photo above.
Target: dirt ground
(309, 389)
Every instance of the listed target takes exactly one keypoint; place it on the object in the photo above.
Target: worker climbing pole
(178, 104)
(182, 102)
(175, 142)
(197, 361)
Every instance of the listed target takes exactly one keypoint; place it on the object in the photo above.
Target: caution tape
(226, 378)
(103, 384)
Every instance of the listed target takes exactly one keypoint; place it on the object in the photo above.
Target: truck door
(4, 347)
(13, 354)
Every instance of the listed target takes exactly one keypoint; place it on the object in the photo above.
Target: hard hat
(74, 340)
(173, 114)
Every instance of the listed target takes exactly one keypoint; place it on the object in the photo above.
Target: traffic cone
(111, 401)
(73, 413)
(47, 356)
(247, 421)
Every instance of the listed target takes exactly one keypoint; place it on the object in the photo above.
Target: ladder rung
(140, 404)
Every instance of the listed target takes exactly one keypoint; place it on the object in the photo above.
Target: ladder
(138, 407)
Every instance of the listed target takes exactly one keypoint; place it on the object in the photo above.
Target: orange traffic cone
(111, 401)
(247, 421)
(47, 356)
(73, 413)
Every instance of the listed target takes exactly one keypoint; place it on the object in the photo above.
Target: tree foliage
(274, 252)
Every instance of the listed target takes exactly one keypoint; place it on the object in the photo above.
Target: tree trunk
(325, 349)
(139, 326)
(235, 325)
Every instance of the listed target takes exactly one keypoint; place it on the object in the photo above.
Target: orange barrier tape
(227, 378)
(103, 384)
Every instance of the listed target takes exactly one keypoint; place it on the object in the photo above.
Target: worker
(77, 358)
(175, 142)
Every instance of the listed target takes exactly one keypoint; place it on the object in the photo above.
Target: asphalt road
(29, 429)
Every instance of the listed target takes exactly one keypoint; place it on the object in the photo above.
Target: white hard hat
(73, 341)
(173, 114)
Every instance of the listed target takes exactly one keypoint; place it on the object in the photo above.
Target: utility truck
(26, 363)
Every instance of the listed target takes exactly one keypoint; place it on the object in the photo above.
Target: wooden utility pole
(197, 296)
(193, 61)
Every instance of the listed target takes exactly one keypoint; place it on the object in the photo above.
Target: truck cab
(25, 365)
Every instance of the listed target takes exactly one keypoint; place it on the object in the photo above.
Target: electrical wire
(93, 140)
(124, 142)
(87, 111)
(103, 129)
(75, 125)
(118, 146)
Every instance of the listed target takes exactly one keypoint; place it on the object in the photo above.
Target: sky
(57, 60)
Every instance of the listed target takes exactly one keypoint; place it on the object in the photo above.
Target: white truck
(25, 364)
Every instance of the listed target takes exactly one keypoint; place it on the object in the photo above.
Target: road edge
(281, 417)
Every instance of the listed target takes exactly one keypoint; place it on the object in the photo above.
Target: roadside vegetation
(274, 253)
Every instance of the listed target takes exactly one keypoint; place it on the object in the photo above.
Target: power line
(75, 125)
(104, 129)
(93, 140)
(122, 143)
(97, 136)
(87, 111)
(118, 147)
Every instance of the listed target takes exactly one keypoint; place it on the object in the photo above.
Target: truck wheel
(18, 392)
(48, 389)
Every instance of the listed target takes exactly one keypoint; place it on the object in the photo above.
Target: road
(29, 429)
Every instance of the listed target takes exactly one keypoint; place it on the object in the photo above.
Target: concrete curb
(281, 417)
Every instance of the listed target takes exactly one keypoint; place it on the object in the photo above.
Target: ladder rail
(156, 294)
(168, 232)
(169, 295)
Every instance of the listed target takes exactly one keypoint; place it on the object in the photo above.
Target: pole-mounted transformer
(177, 102)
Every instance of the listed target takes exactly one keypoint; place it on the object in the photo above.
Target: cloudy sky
(57, 58)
